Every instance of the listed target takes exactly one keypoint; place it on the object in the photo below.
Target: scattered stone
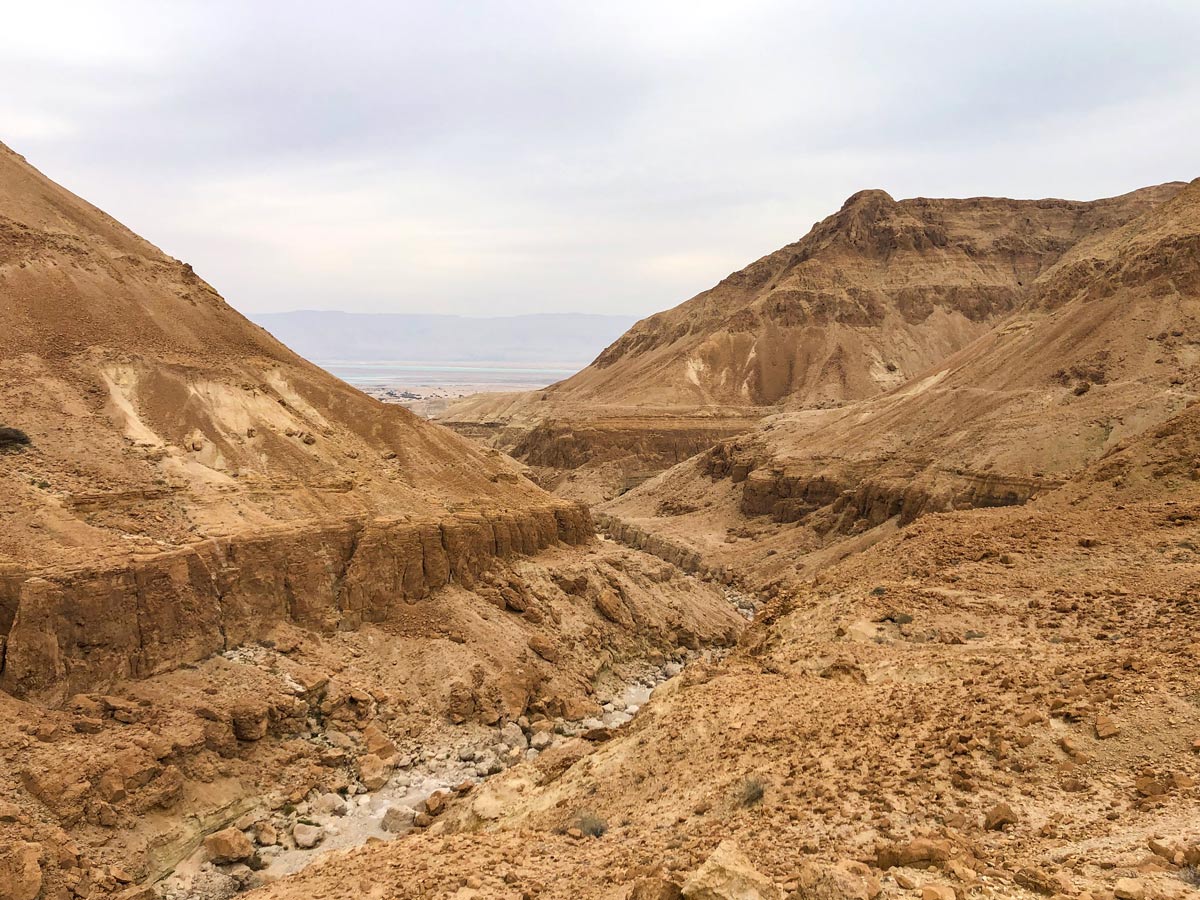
(728, 875)
(307, 836)
(998, 816)
(1106, 728)
(938, 892)
(1129, 889)
(228, 846)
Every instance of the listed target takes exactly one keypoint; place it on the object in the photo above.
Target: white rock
(329, 805)
(307, 836)
(512, 735)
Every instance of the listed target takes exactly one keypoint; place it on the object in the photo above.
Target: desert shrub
(591, 825)
(12, 439)
(749, 791)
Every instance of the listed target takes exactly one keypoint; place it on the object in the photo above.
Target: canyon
(871, 572)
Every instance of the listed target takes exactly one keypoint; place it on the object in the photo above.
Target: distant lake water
(448, 374)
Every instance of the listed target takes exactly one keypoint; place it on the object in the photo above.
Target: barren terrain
(894, 595)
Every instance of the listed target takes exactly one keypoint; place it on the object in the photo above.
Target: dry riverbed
(265, 844)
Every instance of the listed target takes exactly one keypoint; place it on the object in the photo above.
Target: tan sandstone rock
(227, 846)
(20, 871)
(728, 875)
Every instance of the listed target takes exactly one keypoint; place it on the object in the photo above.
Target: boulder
(655, 888)
(250, 721)
(435, 803)
(228, 846)
(918, 853)
(460, 704)
(330, 804)
(377, 742)
(728, 875)
(398, 818)
(847, 880)
(512, 736)
(307, 836)
(20, 871)
(1129, 889)
(610, 605)
(373, 772)
(998, 816)
(543, 647)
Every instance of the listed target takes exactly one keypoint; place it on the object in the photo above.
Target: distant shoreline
(429, 388)
(450, 373)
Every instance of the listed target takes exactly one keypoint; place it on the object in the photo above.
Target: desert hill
(231, 584)
(168, 433)
(873, 295)
(1104, 347)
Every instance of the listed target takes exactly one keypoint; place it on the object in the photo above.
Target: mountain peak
(870, 197)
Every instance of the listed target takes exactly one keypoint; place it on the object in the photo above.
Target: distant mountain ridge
(358, 337)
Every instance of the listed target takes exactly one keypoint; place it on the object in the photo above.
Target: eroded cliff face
(75, 629)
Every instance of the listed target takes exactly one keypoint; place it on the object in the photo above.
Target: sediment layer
(68, 630)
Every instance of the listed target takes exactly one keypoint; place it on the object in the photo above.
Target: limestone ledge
(66, 631)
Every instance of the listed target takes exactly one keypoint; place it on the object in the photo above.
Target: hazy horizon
(557, 344)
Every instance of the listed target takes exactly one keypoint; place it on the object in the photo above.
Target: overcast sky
(525, 156)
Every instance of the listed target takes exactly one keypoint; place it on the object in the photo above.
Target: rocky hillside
(170, 444)
(875, 294)
(1105, 345)
(231, 584)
